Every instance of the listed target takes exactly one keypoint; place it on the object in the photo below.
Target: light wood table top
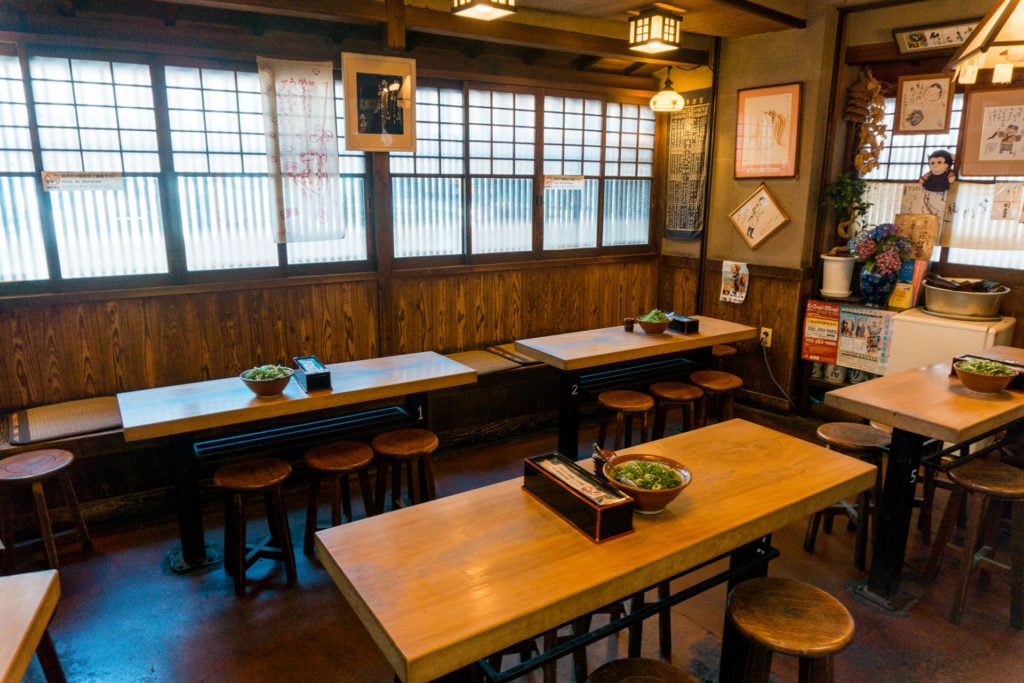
(928, 401)
(27, 602)
(590, 348)
(185, 408)
(442, 584)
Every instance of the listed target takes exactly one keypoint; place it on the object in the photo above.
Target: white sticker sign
(57, 181)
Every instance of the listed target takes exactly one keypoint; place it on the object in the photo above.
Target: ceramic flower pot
(875, 289)
(836, 273)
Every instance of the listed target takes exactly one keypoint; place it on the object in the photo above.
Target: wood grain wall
(60, 348)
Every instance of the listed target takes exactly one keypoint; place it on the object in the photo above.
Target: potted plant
(845, 195)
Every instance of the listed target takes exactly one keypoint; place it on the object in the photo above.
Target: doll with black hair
(940, 171)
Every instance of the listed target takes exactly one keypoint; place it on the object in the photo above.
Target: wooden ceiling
(587, 36)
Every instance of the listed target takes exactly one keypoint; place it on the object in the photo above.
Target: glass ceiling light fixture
(996, 43)
(654, 30)
(483, 9)
(667, 99)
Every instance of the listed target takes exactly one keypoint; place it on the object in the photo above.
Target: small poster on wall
(735, 278)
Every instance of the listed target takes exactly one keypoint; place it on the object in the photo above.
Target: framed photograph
(758, 217)
(923, 103)
(929, 38)
(380, 107)
(991, 134)
(767, 131)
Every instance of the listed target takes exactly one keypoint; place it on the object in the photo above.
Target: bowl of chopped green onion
(984, 376)
(653, 481)
(655, 322)
(267, 380)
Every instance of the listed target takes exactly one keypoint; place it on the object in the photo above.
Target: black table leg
(193, 553)
(569, 414)
(893, 527)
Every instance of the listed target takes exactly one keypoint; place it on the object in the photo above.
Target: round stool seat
(339, 457)
(625, 400)
(252, 475)
(716, 380)
(790, 617)
(405, 443)
(722, 351)
(853, 436)
(680, 392)
(25, 468)
(991, 478)
(639, 670)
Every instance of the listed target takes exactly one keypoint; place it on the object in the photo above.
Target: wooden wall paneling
(344, 322)
(406, 322)
(677, 284)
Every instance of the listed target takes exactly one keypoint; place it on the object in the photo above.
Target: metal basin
(966, 304)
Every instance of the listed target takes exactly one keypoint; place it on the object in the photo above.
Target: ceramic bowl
(647, 502)
(267, 387)
(983, 384)
(653, 328)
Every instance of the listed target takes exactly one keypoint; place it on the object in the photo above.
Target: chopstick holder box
(311, 374)
(592, 506)
(683, 324)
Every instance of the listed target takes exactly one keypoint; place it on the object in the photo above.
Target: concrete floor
(124, 616)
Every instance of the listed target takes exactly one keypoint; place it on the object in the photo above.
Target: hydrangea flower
(882, 248)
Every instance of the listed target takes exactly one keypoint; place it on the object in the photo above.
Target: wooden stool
(332, 463)
(668, 395)
(866, 443)
(32, 468)
(409, 450)
(771, 614)
(251, 476)
(719, 387)
(980, 483)
(623, 404)
(719, 352)
(637, 670)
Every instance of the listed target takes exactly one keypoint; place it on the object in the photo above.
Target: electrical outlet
(766, 337)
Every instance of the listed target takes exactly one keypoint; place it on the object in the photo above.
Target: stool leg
(44, 524)
(427, 478)
(602, 430)
(643, 427)
(312, 503)
(660, 417)
(346, 499)
(412, 476)
(1017, 565)
(48, 661)
(620, 428)
(956, 501)
(689, 417)
(726, 404)
(396, 485)
(382, 486)
(277, 516)
(234, 541)
(336, 501)
(747, 662)
(369, 504)
(976, 504)
(76, 511)
(7, 530)
(812, 531)
(816, 670)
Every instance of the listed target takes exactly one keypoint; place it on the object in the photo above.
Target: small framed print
(992, 137)
(930, 38)
(380, 107)
(923, 104)
(758, 217)
(768, 131)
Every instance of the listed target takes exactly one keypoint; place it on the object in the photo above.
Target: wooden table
(27, 603)
(510, 568)
(185, 410)
(920, 403)
(598, 359)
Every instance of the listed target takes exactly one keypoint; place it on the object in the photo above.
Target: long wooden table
(920, 404)
(187, 410)
(595, 356)
(443, 584)
(27, 603)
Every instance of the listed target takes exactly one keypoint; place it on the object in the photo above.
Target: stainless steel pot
(967, 304)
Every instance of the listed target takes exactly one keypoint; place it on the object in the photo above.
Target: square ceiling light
(653, 31)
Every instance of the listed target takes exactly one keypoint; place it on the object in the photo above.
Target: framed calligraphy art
(768, 131)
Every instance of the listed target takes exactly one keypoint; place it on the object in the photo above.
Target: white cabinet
(920, 338)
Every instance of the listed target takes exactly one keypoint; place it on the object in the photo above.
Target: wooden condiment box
(311, 374)
(589, 504)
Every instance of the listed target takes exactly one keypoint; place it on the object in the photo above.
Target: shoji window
(628, 169)
(22, 256)
(572, 151)
(427, 185)
(97, 117)
(501, 165)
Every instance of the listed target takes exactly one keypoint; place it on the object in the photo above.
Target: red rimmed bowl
(982, 384)
(647, 501)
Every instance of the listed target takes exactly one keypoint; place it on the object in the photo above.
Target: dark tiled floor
(124, 616)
